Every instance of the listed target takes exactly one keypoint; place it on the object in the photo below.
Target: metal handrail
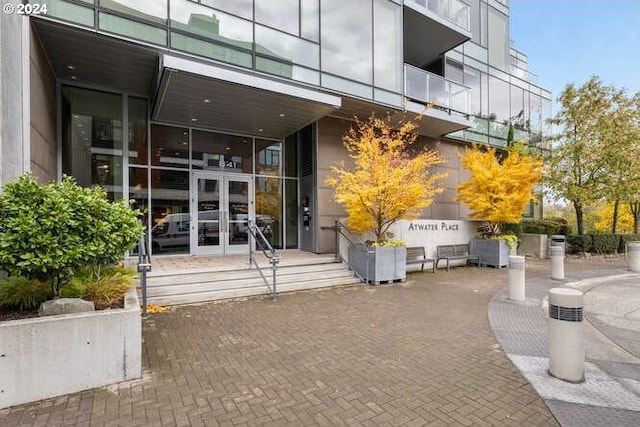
(144, 266)
(261, 241)
(342, 230)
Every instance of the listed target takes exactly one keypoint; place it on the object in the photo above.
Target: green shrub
(578, 243)
(605, 243)
(104, 286)
(624, 238)
(514, 229)
(23, 294)
(48, 232)
(548, 226)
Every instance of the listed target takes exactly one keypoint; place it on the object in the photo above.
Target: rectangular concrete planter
(54, 355)
(494, 253)
(386, 264)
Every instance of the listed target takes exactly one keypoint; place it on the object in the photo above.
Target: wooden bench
(416, 255)
(455, 252)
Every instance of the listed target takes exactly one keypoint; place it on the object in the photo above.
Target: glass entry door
(221, 208)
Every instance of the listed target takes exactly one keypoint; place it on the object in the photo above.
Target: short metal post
(633, 256)
(274, 266)
(557, 262)
(566, 334)
(516, 278)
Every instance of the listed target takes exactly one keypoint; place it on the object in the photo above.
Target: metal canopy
(88, 58)
(207, 96)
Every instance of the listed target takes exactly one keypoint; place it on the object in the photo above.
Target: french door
(221, 207)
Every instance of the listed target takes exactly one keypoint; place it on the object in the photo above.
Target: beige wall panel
(43, 114)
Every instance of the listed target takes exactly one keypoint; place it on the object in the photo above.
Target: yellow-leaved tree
(498, 189)
(390, 181)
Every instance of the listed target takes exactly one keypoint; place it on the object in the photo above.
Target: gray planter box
(54, 355)
(494, 253)
(384, 264)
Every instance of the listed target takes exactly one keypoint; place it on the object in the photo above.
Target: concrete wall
(43, 113)
(12, 47)
(55, 355)
(331, 150)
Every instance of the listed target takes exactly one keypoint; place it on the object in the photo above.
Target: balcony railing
(425, 87)
(454, 11)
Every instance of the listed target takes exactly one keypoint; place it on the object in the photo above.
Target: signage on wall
(434, 226)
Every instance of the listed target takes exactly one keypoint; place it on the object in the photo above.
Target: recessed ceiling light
(185, 143)
(71, 67)
(177, 153)
(260, 130)
(194, 120)
(281, 115)
(74, 78)
(227, 148)
(207, 101)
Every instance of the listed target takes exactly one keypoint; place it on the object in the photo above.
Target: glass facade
(159, 161)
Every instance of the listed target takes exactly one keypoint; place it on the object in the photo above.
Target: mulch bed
(7, 314)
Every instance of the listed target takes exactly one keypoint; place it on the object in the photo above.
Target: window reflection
(387, 41)
(218, 151)
(281, 14)
(276, 44)
(346, 49)
(170, 219)
(242, 8)
(92, 138)
(138, 143)
(169, 146)
(268, 157)
(155, 11)
(268, 202)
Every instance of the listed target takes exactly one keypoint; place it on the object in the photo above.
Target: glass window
(92, 138)
(517, 107)
(155, 11)
(387, 44)
(139, 190)
(472, 80)
(288, 70)
(282, 14)
(291, 210)
(217, 26)
(453, 71)
(268, 202)
(138, 141)
(287, 48)
(291, 155)
(346, 49)
(535, 113)
(310, 16)
(475, 20)
(499, 99)
(71, 12)
(483, 24)
(268, 157)
(169, 146)
(546, 115)
(498, 40)
(242, 8)
(211, 50)
(219, 151)
(133, 29)
(170, 218)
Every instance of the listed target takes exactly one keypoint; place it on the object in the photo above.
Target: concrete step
(186, 287)
(242, 273)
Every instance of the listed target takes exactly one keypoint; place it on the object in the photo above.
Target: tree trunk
(579, 217)
(614, 220)
(635, 210)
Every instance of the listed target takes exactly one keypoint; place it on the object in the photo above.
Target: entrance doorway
(221, 207)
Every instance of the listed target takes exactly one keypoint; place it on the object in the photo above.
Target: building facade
(212, 113)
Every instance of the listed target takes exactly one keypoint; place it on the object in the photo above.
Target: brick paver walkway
(420, 353)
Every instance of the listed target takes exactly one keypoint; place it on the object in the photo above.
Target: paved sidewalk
(610, 394)
(419, 353)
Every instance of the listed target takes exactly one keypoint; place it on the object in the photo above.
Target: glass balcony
(453, 11)
(425, 87)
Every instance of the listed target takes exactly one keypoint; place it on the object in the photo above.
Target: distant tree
(605, 217)
(390, 181)
(498, 190)
(577, 165)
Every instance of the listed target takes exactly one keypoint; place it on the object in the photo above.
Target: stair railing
(353, 241)
(144, 266)
(257, 239)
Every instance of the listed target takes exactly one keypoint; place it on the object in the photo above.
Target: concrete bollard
(557, 262)
(566, 334)
(516, 278)
(633, 256)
